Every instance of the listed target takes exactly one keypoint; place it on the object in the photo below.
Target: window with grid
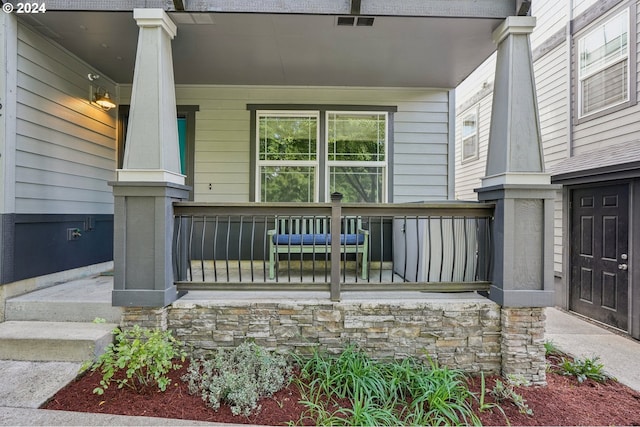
(356, 155)
(603, 65)
(295, 163)
(287, 156)
(470, 136)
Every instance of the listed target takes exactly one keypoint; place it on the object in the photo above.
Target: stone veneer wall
(473, 334)
(459, 333)
(152, 318)
(523, 350)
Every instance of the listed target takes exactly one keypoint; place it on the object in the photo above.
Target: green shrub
(404, 392)
(145, 355)
(239, 377)
(583, 369)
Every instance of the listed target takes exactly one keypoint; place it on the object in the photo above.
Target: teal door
(182, 139)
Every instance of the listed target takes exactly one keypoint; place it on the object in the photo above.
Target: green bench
(311, 235)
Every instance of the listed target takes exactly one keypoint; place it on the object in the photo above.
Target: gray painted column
(516, 181)
(150, 180)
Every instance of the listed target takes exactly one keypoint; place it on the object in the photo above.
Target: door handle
(623, 267)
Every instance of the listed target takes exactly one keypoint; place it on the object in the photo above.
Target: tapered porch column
(150, 180)
(522, 275)
(515, 177)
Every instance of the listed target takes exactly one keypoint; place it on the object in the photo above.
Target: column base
(523, 353)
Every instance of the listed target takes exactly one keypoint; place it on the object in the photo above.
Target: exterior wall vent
(352, 21)
(346, 21)
(365, 21)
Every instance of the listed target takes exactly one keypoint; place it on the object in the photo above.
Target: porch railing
(431, 247)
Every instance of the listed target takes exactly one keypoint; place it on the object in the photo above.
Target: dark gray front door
(599, 254)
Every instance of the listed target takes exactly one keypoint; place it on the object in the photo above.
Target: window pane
(358, 183)
(603, 45)
(356, 137)
(608, 87)
(288, 138)
(469, 147)
(287, 183)
(469, 125)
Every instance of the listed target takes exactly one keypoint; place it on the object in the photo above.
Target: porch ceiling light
(100, 96)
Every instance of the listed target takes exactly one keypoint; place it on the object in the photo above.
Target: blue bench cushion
(317, 239)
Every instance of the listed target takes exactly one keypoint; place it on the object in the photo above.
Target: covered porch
(231, 68)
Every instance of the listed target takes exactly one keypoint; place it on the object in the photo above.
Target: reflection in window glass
(288, 138)
(356, 151)
(296, 164)
(358, 183)
(287, 184)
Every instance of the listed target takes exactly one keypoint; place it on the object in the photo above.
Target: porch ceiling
(284, 49)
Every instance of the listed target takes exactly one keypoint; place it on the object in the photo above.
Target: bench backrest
(315, 225)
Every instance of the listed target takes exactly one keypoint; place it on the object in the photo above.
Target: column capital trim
(149, 175)
(514, 25)
(155, 18)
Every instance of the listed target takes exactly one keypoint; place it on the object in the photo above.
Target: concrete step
(76, 301)
(53, 341)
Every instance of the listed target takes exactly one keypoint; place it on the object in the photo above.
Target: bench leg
(364, 272)
(272, 273)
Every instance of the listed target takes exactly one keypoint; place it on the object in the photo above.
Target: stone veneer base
(465, 331)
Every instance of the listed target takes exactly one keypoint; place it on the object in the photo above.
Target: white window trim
(606, 65)
(338, 163)
(303, 163)
(476, 111)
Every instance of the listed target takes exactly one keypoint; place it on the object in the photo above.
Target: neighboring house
(585, 61)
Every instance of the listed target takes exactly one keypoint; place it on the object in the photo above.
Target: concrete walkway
(580, 338)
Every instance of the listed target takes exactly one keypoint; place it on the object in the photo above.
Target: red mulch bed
(562, 402)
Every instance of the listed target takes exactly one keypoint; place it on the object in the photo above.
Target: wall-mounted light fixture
(100, 95)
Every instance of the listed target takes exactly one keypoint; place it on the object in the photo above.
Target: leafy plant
(505, 391)
(239, 376)
(382, 392)
(550, 349)
(145, 355)
(583, 369)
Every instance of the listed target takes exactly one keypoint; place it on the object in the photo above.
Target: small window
(603, 65)
(470, 136)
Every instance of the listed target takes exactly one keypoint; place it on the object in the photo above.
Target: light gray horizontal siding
(551, 74)
(65, 147)
(469, 173)
(222, 149)
(551, 16)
